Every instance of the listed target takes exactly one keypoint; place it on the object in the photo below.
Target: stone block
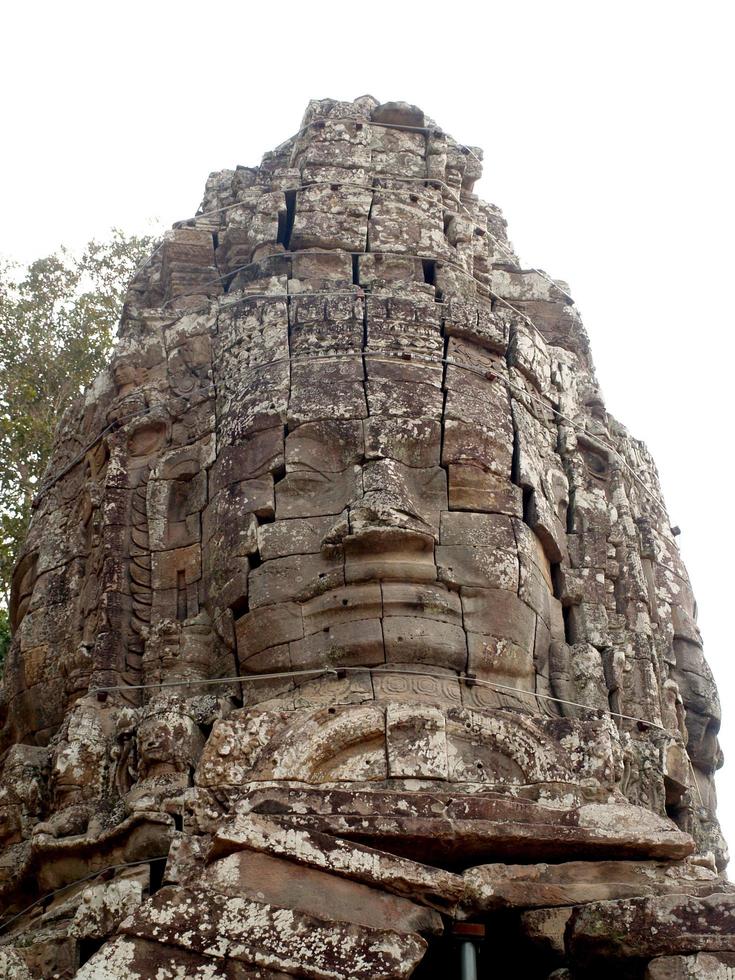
(386, 553)
(494, 886)
(298, 536)
(500, 661)
(169, 569)
(404, 399)
(252, 459)
(417, 443)
(332, 217)
(338, 606)
(500, 613)
(267, 936)
(355, 643)
(477, 445)
(474, 488)
(424, 641)
(407, 221)
(266, 878)
(310, 493)
(425, 601)
(700, 966)
(432, 887)
(404, 496)
(267, 626)
(326, 391)
(297, 577)
(480, 827)
(477, 567)
(653, 926)
(409, 683)
(132, 958)
(545, 928)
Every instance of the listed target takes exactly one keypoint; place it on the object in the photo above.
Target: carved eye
(597, 463)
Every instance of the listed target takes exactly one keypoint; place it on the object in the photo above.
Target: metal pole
(468, 960)
(469, 935)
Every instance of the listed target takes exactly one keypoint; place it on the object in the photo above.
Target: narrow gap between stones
(240, 606)
(286, 220)
(570, 511)
(442, 425)
(157, 869)
(367, 226)
(556, 579)
(278, 474)
(364, 343)
(566, 612)
(515, 465)
(181, 604)
(528, 493)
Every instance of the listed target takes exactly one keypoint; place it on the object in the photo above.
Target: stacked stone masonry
(349, 618)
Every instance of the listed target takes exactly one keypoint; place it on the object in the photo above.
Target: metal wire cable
(468, 679)
(384, 356)
(332, 671)
(78, 881)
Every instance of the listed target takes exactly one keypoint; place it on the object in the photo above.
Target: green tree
(57, 318)
(4, 635)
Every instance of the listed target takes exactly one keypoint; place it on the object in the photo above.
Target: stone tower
(351, 638)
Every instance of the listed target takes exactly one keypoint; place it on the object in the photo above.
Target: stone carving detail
(347, 613)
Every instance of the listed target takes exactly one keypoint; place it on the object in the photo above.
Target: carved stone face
(22, 791)
(157, 745)
(168, 743)
(79, 760)
(393, 532)
(355, 433)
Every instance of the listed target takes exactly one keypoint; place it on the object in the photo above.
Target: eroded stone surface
(653, 926)
(376, 590)
(701, 966)
(576, 882)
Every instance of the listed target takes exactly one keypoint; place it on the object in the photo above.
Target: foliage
(4, 635)
(57, 318)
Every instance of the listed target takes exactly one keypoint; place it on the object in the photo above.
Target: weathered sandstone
(349, 622)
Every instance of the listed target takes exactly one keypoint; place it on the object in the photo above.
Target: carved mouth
(389, 554)
(363, 623)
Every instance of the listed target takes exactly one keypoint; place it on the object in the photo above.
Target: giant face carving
(354, 457)
(393, 534)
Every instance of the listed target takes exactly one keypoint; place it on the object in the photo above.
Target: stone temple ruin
(351, 639)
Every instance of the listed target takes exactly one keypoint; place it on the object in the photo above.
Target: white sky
(607, 144)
